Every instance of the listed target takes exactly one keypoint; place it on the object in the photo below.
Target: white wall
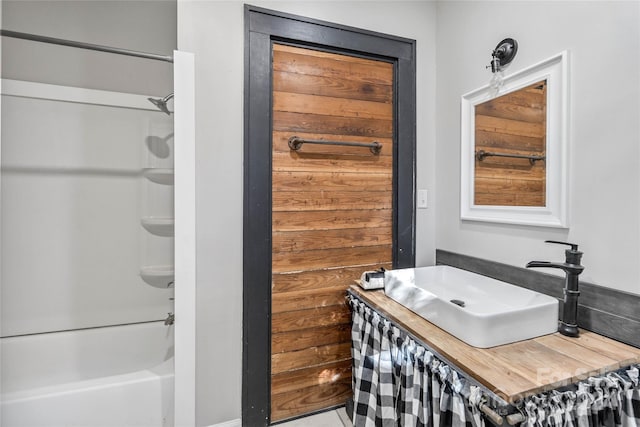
(214, 31)
(603, 39)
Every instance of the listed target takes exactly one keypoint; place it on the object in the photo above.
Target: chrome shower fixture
(162, 103)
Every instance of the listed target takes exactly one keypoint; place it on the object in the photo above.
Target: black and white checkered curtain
(398, 382)
(609, 400)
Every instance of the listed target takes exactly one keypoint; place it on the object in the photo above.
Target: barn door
(332, 216)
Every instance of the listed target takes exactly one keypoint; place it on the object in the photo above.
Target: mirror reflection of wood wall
(512, 124)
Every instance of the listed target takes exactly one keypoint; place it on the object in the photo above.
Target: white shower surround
(73, 199)
(153, 379)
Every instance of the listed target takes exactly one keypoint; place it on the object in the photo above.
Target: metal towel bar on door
(481, 154)
(295, 143)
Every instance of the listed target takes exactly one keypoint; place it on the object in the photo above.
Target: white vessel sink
(494, 312)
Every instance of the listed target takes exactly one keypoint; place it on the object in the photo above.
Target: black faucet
(572, 268)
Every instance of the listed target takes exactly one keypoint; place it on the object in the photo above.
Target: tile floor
(336, 418)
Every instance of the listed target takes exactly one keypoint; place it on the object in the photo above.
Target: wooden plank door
(331, 216)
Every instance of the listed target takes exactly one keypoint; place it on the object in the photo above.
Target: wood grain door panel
(332, 216)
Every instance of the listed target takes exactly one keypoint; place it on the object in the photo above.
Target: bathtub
(112, 376)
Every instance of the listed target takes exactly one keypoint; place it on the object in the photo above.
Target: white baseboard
(233, 423)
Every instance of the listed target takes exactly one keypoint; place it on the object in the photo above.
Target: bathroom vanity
(513, 370)
(509, 372)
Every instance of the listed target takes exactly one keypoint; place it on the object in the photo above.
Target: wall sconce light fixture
(501, 56)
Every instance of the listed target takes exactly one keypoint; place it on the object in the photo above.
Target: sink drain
(458, 302)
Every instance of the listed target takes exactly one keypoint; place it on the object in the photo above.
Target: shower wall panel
(73, 196)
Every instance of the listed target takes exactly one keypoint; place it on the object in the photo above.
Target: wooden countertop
(516, 370)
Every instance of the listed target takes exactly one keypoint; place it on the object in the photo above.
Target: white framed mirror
(514, 148)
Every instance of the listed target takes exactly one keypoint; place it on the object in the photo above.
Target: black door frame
(262, 27)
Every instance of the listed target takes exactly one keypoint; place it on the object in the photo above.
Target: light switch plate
(422, 199)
